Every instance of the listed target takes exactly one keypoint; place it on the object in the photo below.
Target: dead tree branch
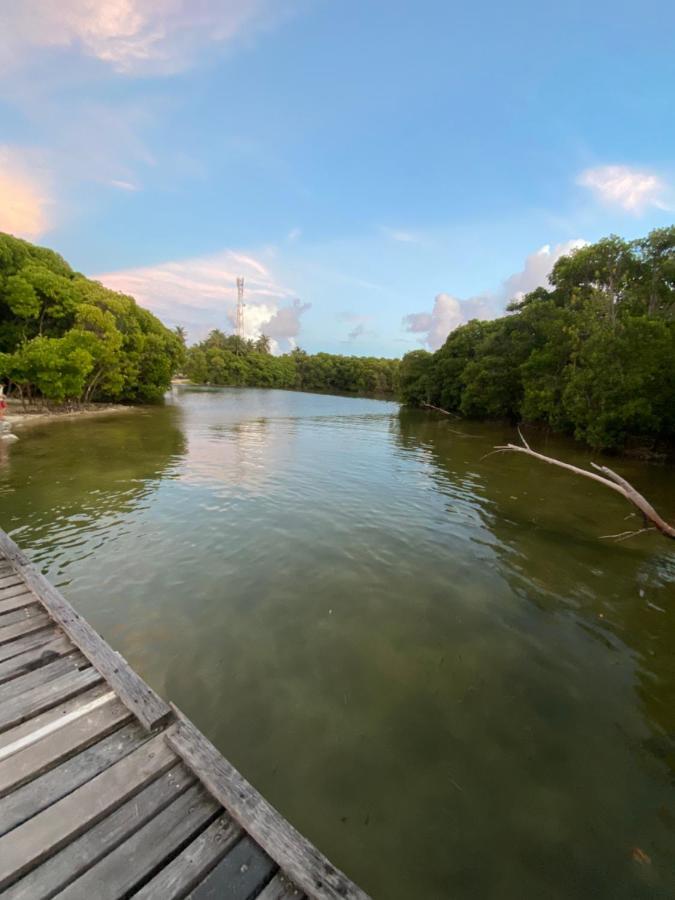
(608, 478)
(439, 409)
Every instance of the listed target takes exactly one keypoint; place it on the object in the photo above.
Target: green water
(429, 662)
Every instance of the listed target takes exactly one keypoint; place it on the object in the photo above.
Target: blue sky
(378, 172)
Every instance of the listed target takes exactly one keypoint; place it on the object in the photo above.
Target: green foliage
(66, 338)
(593, 356)
(226, 359)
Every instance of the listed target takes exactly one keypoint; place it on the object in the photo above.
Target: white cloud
(124, 185)
(200, 294)
(631, 189)
(450, 312)
(25, 196)
(155, 37)
(537, 268)
(400, 236)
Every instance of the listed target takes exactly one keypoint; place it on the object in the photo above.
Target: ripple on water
(402, 643)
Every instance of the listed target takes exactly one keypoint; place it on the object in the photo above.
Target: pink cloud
(25, 195)
(200, 294)
(150, 37)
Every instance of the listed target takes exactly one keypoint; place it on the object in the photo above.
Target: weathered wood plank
(23, 598)
(280, 888)
(299, 859)
(21, 614)
(11, 632)
(7, 651)
(239, 876)
(10, 581)
(73, 662)
(150, 709)
(10, 593)
(117, 874)
(31, 761)
(76, 857)
(38, 734)
(35, 701)
(34, 658)
(61, 712)
(45, 834)
(32, 798)
(194, 863)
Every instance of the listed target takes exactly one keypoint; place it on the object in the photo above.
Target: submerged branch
(440, 409)
(609, 479)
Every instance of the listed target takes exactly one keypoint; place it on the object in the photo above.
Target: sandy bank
(16, 417)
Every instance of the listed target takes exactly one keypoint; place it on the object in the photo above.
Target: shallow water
(429, 661)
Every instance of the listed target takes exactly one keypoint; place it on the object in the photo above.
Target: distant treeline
(64, 338)
(229, 360)
(593, 356)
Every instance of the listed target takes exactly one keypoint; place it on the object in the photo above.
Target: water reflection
(428, 660)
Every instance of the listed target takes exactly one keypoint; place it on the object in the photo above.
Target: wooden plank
(280, 888)
(194, 863)
(239, 876)
(33, 760)
(21, 614)
(7, 651)
(23, 598)
(35, 701)
(29, 800)
(39, 733)
(118, 873)
(34, 658)
(300, 860)
(61, 712)
(10, 593)
(149, 708)
(14, 631)
(73, 662)
(10, 580)
(45, 834)
(76, 857)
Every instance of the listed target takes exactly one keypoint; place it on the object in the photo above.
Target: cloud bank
(200, 294)
(450, 312)
(633, 190)
(133, 37)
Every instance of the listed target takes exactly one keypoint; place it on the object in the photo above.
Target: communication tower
(240, 308)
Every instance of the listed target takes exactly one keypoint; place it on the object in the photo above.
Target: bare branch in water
(439, 409)
(609, 479)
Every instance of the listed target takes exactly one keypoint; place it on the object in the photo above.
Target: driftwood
(440, 409)
(609, 479)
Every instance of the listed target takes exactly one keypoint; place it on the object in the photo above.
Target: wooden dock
(108, 792)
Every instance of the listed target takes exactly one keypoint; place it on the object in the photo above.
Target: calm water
(429, 662)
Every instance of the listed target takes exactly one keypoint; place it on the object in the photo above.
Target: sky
(378, 172)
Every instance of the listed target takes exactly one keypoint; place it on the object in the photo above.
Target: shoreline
(17, 417)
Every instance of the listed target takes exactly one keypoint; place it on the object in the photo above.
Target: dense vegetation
(593, 355)
(226, 359)
(66, 338)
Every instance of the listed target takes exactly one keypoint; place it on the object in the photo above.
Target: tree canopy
(229, 360)
(64, 337)
(593, 355)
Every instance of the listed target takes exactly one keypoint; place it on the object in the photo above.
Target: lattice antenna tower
(240, 308)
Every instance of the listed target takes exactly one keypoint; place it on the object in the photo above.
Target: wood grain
(82, 853)
(45, 834)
